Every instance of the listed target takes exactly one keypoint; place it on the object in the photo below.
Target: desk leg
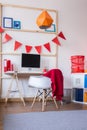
(9, 89)
(20, 91)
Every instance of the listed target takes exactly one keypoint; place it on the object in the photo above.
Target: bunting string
(28, 48)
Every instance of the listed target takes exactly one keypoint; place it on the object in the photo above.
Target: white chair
(41, 83)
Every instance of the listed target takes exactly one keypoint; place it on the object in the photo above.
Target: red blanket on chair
(57, 82)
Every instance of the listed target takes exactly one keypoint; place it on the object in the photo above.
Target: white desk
(15, 76)
(24, 72)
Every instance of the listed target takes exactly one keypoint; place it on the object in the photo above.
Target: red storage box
(77, 64)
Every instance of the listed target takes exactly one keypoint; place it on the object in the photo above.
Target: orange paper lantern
(44, 20)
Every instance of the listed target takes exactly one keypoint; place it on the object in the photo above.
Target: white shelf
(79, 102)
(78, 83)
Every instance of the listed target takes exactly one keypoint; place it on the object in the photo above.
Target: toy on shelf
(8, 66)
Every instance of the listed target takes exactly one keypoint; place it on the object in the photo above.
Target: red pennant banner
(38, 49)
(6, 38)
(17, 45)
(1, 30)
(55, 40)
(47, 46)
(61, 35)
(28, 48)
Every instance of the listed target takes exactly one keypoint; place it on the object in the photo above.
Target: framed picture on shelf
(17, 25)
(7, 22)
(51, 29)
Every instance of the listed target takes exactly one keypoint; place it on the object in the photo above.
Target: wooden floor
(17, 107)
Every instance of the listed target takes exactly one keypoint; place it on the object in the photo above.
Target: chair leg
(34, 99)
(54, 98)
(55, 102)
(43, 100)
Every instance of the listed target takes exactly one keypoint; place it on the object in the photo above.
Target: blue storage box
(79, 94)
(85, 81)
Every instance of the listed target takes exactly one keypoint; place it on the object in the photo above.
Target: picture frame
(17, 24)
(7, 22)
(51, 29)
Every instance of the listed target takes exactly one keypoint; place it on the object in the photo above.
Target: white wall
(72, 21)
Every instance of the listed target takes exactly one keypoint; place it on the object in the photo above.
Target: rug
(54, 120)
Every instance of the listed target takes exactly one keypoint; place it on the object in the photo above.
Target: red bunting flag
(38, 49)
(47, 46)
(61, 35)
(28, 48)
(6, 38)
(1, 30)
(17, 45)
(55, 40)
